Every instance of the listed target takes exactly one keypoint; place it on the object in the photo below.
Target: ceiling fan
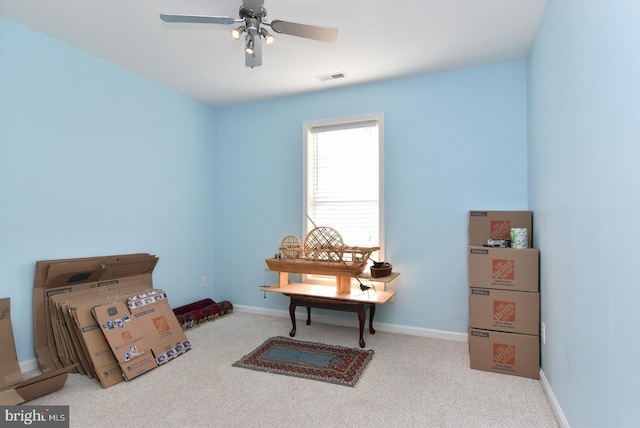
(252, 22)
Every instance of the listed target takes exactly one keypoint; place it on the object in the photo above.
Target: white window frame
(307, 226)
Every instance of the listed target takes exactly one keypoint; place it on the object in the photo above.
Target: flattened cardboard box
(83, 341)
(509, 311)
(62, 309)
(104, 363)
(485, 225)
(69, 275)
(142, 331)
(507, 353)
(504, 268)
(13, 388)
(125, 338)
(159, 324)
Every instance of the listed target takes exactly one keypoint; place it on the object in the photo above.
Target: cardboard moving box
(485, 225)
(509, 311)
(508, 353)
(504, 268)
(13, 388)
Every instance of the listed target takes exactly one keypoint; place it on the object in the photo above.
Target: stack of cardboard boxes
(504, 298)
(98, 316)
(103, 317)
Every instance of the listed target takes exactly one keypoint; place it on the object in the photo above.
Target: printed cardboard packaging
(65, 276)
(507, 353)
(13, 388)
(125, 338)
(103, 363)
(504, 268)
(508, 311)
(485, 225)
(142, 331)
(65, 294)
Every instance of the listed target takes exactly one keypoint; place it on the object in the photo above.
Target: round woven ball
(324, 238)
(291, 247)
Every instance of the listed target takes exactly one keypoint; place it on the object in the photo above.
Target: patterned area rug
(309, 360)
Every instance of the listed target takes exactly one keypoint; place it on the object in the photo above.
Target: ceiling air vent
(332, 76)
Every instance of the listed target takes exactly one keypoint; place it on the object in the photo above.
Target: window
(343, 179)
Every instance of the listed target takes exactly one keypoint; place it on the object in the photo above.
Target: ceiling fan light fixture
(250, 44)
(236, 32)
(268, 37)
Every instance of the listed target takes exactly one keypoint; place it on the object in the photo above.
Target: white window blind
(344, 178)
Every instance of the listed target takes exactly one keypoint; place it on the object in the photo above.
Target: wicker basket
(378, 270)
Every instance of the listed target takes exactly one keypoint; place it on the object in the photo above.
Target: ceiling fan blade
(199, 19)
(255, 59)
(323, 34)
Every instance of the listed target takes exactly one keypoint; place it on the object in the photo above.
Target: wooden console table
(336, 297)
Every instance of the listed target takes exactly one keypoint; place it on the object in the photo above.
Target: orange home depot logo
(126, 336)
(500, 229)
(504, 311)
(161, 324)
(503, 269)
(504, 354)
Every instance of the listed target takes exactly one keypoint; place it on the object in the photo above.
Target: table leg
(372, 312)
(292, 313)
(317, 302)
(361, 321)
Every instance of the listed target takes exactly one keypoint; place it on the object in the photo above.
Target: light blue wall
(97, 161)
(584, 128)
(454, 142)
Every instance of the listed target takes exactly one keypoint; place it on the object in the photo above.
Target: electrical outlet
(543, 332)
(203, 281)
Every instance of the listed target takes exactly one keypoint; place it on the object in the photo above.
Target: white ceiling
(378, 40)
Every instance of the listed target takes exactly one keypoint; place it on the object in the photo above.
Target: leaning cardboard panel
(159, 324)
(88, 341)
(103, 363)
(13, 388)
(126, 339)
(69, 275)
(74, 346)
(9, 367)
(142, 331)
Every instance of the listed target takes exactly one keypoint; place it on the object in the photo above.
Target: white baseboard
(29, 365)
(390, 328)
(557, 410)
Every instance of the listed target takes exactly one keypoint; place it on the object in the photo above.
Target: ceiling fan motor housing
(245, 12)
(252, 25)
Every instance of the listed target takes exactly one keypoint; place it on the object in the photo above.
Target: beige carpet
(411, 382)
